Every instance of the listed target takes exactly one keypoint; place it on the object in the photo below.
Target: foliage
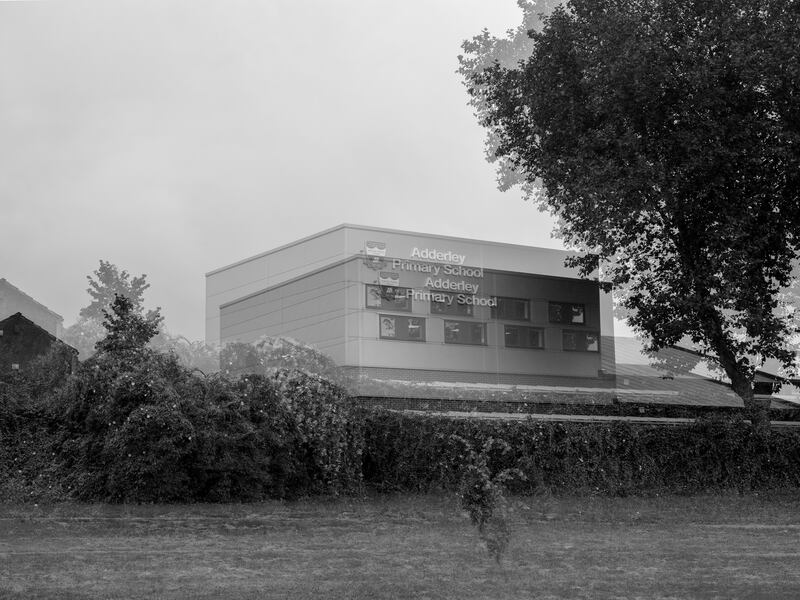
(133, 424)
(484, 51)
(665, 137)
(108, 282)
(405, 452)
(28, 423)
(330, 429)
(197, 355)
(481, 493)
(268, 354)
(126, 328)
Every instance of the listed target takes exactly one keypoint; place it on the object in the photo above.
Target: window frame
(407, 327)
(539, 330)
(584, 334)
(495, 313)
(570, 306)
(468, 307)
(393, 307)
(480, 324)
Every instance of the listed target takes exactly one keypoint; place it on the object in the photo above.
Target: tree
(194, 355)
(665, 136)
(106, 282)
(484, 51)
(127, 329)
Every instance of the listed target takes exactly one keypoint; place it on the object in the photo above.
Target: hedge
(140, 427)
(412, 453)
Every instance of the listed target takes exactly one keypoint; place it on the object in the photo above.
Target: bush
(267, 355)
(329, 428)
(149, 456)
(405, 453)
(138, 426)
(28, 425)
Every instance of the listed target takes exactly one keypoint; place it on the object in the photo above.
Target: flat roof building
(402, 306)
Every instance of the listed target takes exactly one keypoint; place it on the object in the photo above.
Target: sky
(173, 138)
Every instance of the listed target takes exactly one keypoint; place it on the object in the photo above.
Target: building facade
(402, 306)
(22, 341)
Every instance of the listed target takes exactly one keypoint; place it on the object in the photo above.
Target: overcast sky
(172, 138)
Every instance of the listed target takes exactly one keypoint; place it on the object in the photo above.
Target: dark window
(388, 297)
(580, 341)
(398, 327)
(567, 313)
(450, 306)
(513, 309)
(518, 336)
(464, 332)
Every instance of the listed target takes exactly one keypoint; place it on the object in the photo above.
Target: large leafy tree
(665, 135)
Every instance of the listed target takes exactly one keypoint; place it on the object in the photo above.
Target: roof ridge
(29, 297)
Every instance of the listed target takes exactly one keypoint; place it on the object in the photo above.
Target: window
(450, 306)
(518, 336)
(564, 312)
(388, 297)
(514, 309)
(464, 332)
(398, 327)
(580, 341)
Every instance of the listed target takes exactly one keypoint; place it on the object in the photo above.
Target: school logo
(375, 255)
(375, 248)
(388, 278)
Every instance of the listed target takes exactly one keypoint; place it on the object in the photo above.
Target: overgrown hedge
(405, 452)
(140, 427)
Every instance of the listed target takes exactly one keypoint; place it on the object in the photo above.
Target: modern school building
(411, 307)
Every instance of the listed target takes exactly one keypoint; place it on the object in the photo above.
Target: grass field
(405, 547)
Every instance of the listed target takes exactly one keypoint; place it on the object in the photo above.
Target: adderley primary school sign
(448, 274)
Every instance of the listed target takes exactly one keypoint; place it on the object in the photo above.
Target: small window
(513, 309)
(567, 313)
(389, 297)
(518, 336)
(398, 327)
(450, 306)
(15, 366)
(580, 341)
(464, 332)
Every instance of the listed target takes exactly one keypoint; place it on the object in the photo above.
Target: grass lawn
(405, 547)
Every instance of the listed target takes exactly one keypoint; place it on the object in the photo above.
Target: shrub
(329, 429)
(482, 492)
(140, 427)
(268, 354)
(405, 453)
(149, 456)
(243, 440)
(96, 403)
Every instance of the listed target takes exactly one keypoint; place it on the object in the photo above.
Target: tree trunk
(756, 409)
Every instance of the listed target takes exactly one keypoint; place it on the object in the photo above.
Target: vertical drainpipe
(351, 270)
(608, 363)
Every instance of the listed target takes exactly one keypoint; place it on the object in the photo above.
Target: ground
(403, 547)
